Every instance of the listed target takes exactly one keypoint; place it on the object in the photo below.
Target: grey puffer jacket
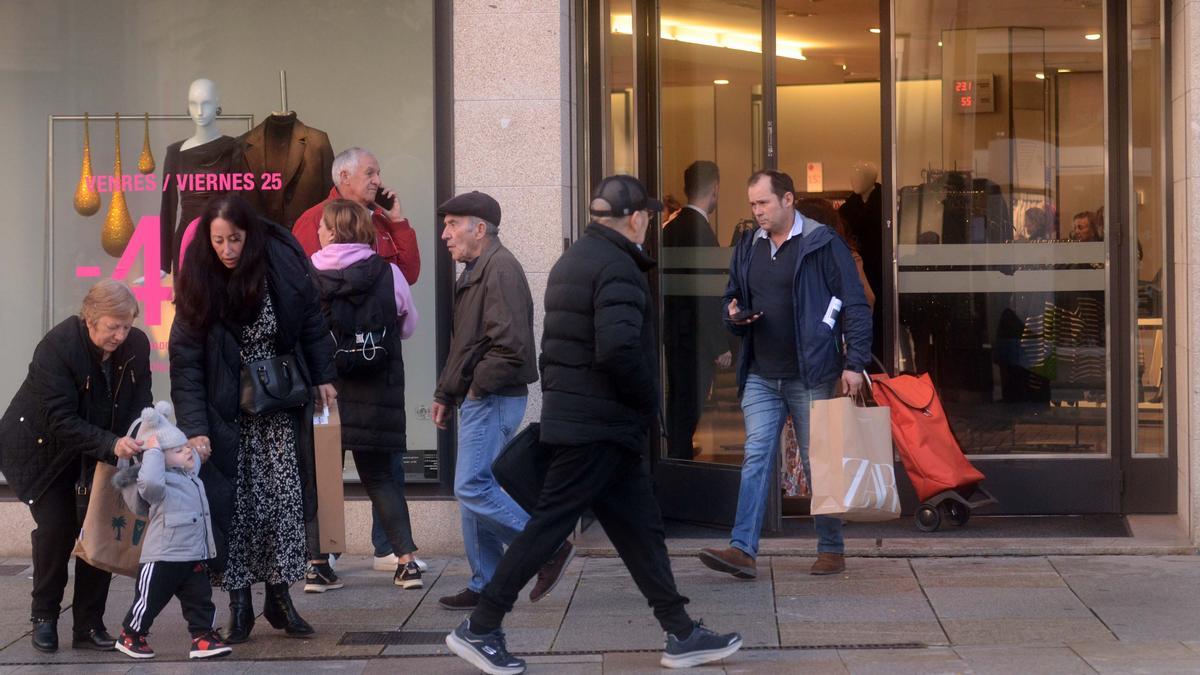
(180, 526)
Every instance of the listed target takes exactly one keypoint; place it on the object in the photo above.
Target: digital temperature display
(973, 96)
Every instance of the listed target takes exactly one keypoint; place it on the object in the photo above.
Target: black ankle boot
(45, 635)
(241, 615)
(281, 613)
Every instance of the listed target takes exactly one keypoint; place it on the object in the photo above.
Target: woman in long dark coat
(245, 294)
(88, 380)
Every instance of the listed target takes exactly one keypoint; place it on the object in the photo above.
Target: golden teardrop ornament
(146, 159)
(87, 200)
(118, 226)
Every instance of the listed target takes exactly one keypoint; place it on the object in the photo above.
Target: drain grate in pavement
(12, 570)
(394, 637)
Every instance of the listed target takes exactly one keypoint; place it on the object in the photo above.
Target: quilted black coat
(599, 352)
(206, 378)
(65, 415)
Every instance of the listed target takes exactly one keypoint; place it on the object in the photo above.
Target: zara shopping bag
(850, 452)
(111, 536)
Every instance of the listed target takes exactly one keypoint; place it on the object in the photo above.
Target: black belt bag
(272, 385)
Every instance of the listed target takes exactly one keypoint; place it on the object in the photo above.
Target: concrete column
(513, 113)
(1185, 109)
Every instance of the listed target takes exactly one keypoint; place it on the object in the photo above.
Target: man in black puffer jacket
(598, 392)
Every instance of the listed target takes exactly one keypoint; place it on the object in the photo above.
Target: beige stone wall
(513, 115)
(1185, 117)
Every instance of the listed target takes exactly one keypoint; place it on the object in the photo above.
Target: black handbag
(272, 385)
(521, 467)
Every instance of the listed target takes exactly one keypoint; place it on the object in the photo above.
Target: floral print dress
(267, 541)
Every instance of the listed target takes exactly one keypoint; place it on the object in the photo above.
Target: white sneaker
(388, 563)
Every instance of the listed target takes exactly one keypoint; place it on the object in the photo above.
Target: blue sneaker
(702, 646)
(487, 652)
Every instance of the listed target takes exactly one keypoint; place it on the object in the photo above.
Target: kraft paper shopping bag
(111, 536)
(850, 452)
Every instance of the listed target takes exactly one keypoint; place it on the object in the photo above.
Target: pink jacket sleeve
(406, 309)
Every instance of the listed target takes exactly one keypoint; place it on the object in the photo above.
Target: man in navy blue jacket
(801, 281)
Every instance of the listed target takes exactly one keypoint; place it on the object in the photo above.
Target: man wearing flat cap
(599, 392)
(487, 373)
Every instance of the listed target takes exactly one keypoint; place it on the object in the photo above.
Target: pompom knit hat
(155, 421)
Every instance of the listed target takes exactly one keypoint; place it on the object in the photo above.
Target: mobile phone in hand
(386, 203)
(745, 315)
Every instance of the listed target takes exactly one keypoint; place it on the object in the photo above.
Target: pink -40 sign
(152, 293)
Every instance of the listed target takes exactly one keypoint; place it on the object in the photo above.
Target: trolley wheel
(957, 512)
(929, 519)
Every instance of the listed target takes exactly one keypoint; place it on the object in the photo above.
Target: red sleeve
(305, 232)
(408, 256)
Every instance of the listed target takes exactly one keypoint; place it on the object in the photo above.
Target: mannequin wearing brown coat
(303, 158)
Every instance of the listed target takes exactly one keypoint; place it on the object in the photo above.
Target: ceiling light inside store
(720, 81)
(1040, 76)
(710, 36)
(939, 43)
(1064, 70)
(1092, 36)
(875, 30)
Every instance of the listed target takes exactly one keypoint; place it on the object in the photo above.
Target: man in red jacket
(356, 177)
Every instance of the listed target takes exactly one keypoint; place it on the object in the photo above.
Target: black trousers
(58, 518)
(386, 492)
(689, 377)
(158, 582)
(614, 484)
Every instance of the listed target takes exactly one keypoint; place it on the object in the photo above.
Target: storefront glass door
(1002, 263)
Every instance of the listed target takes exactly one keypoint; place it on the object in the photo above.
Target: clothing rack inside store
(48, 288)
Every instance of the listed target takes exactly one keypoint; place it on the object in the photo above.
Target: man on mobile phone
(356, 176)
(803, 284)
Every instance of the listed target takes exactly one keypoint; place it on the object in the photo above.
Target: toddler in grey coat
(166, 486)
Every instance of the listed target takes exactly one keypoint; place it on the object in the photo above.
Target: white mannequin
(203, 106)
(862, 179)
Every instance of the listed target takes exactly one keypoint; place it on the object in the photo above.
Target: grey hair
(108, 297)
(347, 160)
(490, 229)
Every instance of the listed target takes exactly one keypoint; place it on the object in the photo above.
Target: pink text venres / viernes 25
(189, 182)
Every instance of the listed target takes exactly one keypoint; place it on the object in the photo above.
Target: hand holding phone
(742, 317)
(385, 198)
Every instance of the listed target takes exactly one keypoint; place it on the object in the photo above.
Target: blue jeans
(378, 537)
(766, 403)
(490, 518)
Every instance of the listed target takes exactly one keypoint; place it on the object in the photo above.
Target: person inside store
(694, 341)
(793, 288)
(245, 299)
(862, 213)
(1040, 225)
(1085, 227)
(370, 309)
(358, 178)
(822, 211)
(599, 393)
(490, 365)
(88, 381)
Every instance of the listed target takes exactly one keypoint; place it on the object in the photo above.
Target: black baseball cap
(474, 203)
(625, 195)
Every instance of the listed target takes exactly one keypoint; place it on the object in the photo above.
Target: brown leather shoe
(829, 563)
(730, 561)
(464, 599)
(552, 572)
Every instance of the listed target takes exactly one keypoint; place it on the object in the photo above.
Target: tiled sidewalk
(887, 615)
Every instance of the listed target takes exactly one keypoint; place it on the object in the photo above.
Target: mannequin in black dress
(205, 152)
